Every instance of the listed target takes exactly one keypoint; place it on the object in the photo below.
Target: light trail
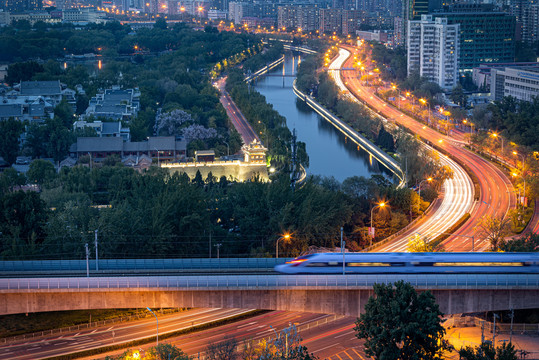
(458, 191)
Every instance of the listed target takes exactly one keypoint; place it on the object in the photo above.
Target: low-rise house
(105, 129)
(114, 104)
(162, 148)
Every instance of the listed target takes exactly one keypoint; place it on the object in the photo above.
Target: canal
(330, 152)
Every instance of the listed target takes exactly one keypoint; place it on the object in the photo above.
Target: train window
(422, 263)
(398, 264)
(316, 264)
(478, 264)
(366, 264)
(334, 263)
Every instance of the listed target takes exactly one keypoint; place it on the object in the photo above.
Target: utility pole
(87, 262)
(511, 334)
(494, 331)
(218, 246)
(294, 172)
(210, 245)
(96, 256)
(342, 250)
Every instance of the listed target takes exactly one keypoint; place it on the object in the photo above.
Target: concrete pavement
(471, 336)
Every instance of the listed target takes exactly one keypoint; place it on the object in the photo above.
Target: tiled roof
(106, 144)
(41, 88)
(10, 110)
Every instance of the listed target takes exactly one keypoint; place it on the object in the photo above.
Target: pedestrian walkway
(471, 336)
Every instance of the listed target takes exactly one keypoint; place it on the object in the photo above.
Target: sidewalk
(471, 336)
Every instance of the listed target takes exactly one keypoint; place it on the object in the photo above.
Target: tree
(170, 123)
(458, 96)
(494, 230)
(285, 345)
(528, 243)
(160, 24)
(166, 352)
(41, 172)
(400, 324)
(225, 350)
(10, 130)
(22, 71)
(487, 352)
(419, 244)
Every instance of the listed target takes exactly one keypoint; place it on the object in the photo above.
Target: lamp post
(521, 156)
(285, 236)
(157, 324)
(524, 179)
(422, 181)
(495, 136)
(158, 161)
(394, 87)
(227, 149)
(381, 205)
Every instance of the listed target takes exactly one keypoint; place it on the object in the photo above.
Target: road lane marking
(358, 354)
(347, 333)
(348, 355)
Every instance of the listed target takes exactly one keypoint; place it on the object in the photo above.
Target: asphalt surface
(497, 195)
(113, 334)
(234, 114)
(334, 340)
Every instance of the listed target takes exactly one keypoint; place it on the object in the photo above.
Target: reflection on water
(330, 152)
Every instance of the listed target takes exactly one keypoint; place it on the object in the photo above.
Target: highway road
(111, 334)
(332, 340)
(497, 194)
(457, 192)
(234, 114)
(328, 341)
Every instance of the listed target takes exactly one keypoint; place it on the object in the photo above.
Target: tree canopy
(400, 324)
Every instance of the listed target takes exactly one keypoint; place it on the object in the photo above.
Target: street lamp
(524, 179)
(285, 236)
(422, 181)
(381, 205)
(157, 322)
(227, 149)
(495, 136)
(521, 156)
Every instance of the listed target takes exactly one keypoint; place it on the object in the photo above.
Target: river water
(331, 153)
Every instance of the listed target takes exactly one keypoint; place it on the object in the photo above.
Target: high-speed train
(372, 263)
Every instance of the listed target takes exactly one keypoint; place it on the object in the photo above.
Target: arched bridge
(331, 294)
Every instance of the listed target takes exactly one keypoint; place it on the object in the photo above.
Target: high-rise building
(433, 49)
(298, 16)
(413, 9)
(21, 5)
(398, 31)
(530, 24)
(331, 21)
(487, 35)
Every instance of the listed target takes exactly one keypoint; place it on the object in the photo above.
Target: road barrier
(365, 144)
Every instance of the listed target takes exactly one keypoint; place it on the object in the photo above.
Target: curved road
(497, 194)
(458, 192)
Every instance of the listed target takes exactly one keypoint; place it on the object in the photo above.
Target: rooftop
(41, 88)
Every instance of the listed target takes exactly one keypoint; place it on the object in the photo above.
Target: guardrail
(368, 146)
(264, 70)
(299, 49)
(140, 264)
(40, 334)
(271, 282)
(489, 326)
